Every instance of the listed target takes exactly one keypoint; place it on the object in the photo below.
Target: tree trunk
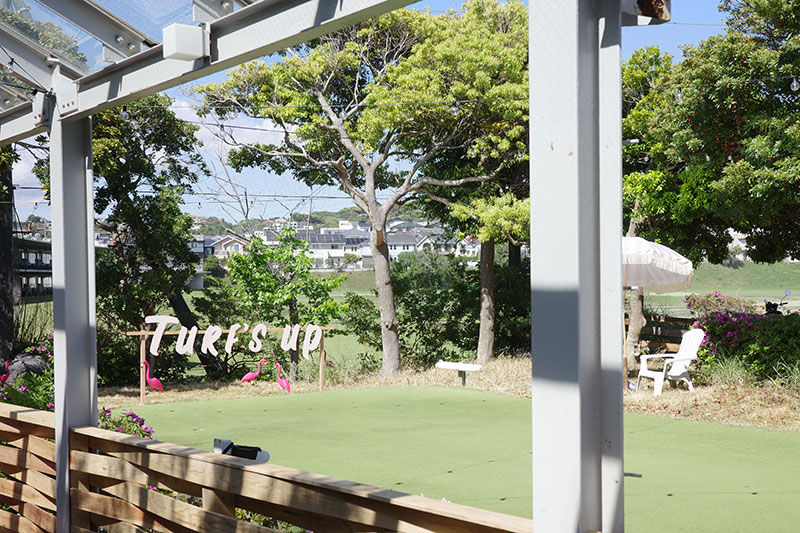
(6, 267)
(211, 365)
(635, 328)
(514, 254)
(637, 321)
(486, 331)
(383, 282)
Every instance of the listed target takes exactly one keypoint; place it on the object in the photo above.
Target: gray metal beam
(210, 10)
(74, 317)
(30, 59)
(575, 281)
(10, 97)
(112, 31)
(251, 32)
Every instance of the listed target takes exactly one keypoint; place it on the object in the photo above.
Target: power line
(13, 62)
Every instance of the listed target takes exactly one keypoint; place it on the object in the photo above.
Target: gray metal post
(575, 234)
(73, 291)
(611, 341)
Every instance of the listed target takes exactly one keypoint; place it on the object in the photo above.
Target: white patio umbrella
(654, 267)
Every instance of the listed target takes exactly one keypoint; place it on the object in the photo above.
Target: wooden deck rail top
(112, 476)
(309, 500)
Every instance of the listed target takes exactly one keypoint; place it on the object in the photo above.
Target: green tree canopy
(368, 107)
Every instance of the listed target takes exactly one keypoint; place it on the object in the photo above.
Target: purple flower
(50, 405)
(23, 388)
(120, 429)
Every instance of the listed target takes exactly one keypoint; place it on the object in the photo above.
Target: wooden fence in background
(125, 484)
(663, 332)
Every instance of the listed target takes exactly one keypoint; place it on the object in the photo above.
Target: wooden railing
(124, 483)
(118, 473)
(28, 462)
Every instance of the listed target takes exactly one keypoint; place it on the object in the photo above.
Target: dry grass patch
(759, 405)
(510, 376)
(742, 404)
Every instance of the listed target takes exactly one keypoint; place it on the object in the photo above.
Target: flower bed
(766, 344)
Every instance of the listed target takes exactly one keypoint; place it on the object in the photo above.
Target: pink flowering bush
(701, 305)
(31, 389)
(763, 343)
(129, 423)
(37, 391)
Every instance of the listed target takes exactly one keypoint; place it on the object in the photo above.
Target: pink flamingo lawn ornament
(4, 377)
(283, 382)
(250, 376)
(153, 382)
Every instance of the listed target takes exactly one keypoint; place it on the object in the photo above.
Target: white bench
(462, 368)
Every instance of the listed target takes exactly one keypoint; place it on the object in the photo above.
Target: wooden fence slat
(42, 483)
(23, 428)
(17, 523)
(122, 527)
(305, 519)
(24, 460)
(219, 502)
(108, 470)
(27, 414)
(36, 445)
(35, 514)
(22, 492)
(182, 513)
(120, 510)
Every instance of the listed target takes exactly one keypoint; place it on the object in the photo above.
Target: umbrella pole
(624, 345)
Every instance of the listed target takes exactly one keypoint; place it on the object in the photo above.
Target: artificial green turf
(473, 448)
(470, 447)
(704, 477)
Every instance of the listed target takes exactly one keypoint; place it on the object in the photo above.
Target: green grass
(753, 281)
(473, 448)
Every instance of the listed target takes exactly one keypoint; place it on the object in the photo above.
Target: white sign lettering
(186, 337)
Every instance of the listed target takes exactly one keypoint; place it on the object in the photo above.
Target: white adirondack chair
(676, 366)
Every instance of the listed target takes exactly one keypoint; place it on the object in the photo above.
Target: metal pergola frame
(576, 180)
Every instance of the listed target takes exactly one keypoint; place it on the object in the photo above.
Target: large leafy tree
(368, 107)
(722, 138)
(143, 160)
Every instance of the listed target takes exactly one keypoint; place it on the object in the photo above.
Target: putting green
(474, 448)
(704, 477)
(468, 446)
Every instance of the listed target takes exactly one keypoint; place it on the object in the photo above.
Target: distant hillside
(319, 219)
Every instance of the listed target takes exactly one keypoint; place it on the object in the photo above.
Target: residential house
(228, 245)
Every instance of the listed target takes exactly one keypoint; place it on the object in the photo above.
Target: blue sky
(693, 21)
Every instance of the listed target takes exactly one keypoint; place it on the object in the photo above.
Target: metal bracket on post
(66, 93)
(211, 10)
(42, 108)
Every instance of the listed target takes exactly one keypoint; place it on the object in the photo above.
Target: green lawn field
(474, 448)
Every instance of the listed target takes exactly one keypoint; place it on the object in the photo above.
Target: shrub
(30, 389)
(438, 306)
(765, 344)
(118, 359)
(129, 423)
(715, 302)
